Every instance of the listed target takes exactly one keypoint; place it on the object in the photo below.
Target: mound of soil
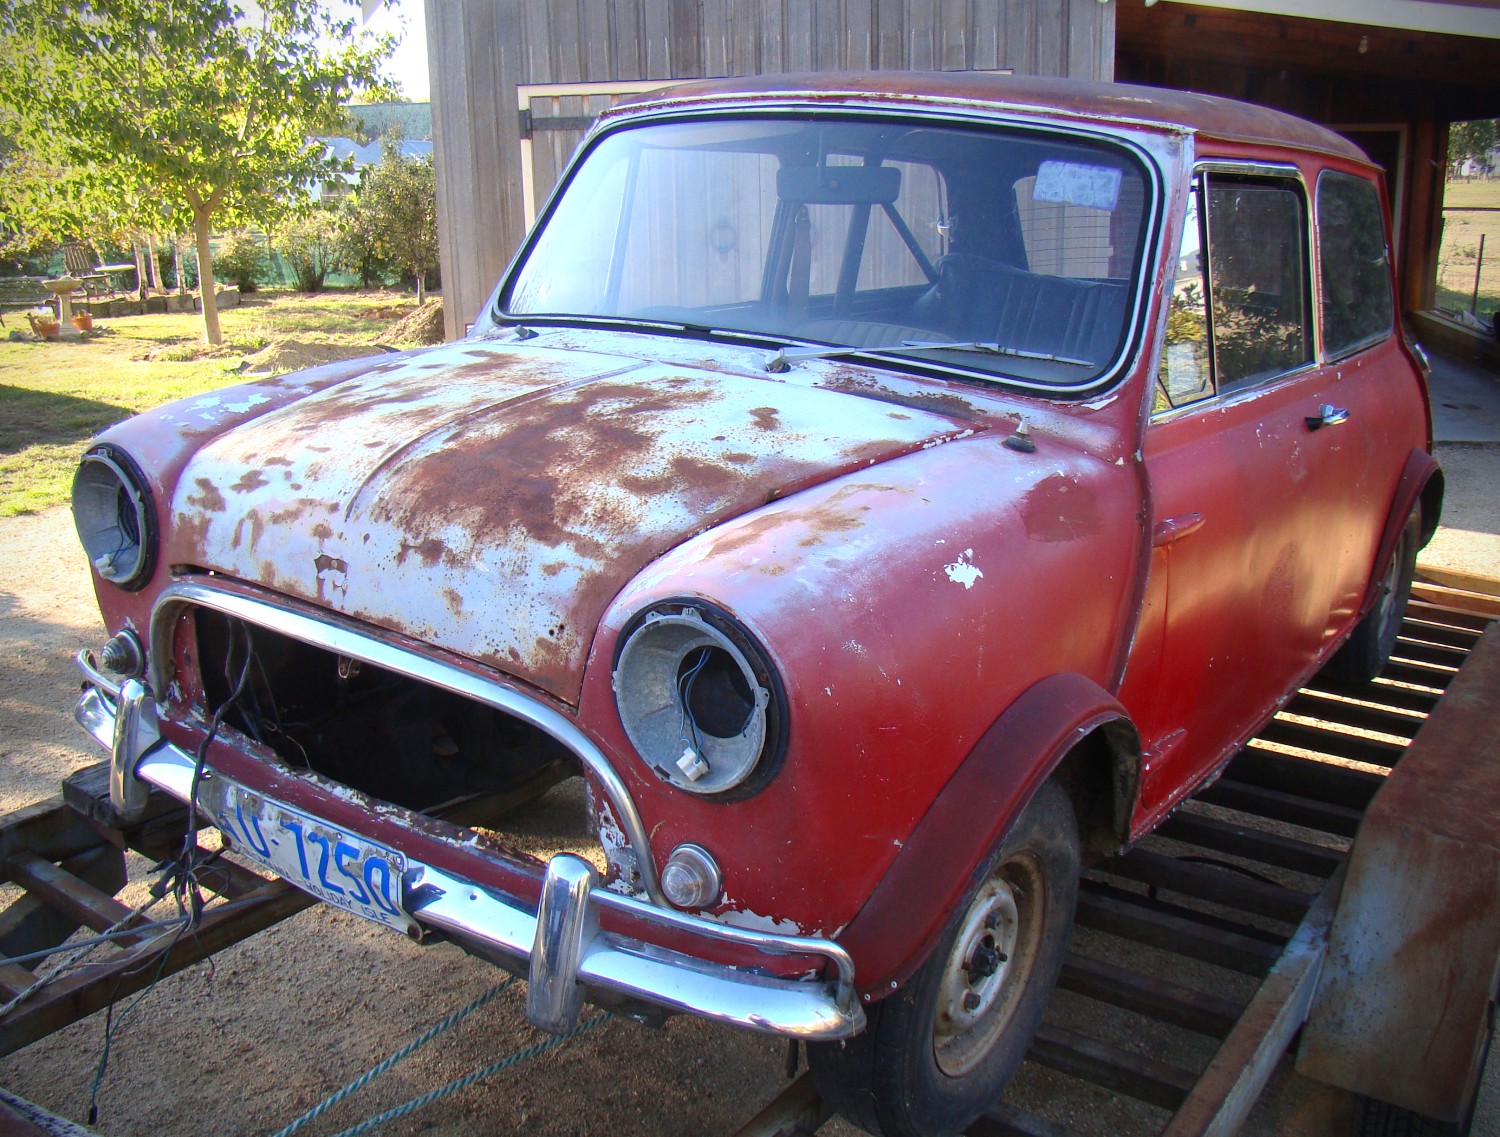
(293, 355)
(423, 326)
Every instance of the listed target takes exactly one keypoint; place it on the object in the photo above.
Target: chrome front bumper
(564, 947)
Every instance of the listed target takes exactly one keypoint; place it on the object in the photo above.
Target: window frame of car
(1288, 176)
(1148, 151)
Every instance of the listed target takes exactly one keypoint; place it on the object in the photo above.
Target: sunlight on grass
(55, 396)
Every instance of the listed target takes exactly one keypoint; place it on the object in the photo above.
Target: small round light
(113, 515)
(690, 878)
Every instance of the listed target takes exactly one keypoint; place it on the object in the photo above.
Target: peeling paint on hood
(493, 500)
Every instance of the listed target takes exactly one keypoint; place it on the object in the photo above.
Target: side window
(1240, 304)
(1258, 281)
(1355, 279)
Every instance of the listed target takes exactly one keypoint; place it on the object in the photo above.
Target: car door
(1255, 555)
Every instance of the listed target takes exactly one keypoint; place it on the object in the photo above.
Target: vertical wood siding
(480, 51)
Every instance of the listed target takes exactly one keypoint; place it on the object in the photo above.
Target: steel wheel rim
(988, 966)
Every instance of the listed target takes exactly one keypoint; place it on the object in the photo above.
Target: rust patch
(552, 568)
(278, 460)
(250, 480)
(934, 402)
(514, 476)
(208, 498)
(745, 535)
(303, 506)
(324, 563)
(766, 418)
(322, 531)
(256, 524)
(431, 551)
(454, 601)
(739, 458)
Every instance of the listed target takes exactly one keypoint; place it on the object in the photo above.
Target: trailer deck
(1194, 960)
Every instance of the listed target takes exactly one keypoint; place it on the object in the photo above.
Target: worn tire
(1365, 653)
(929, 1062)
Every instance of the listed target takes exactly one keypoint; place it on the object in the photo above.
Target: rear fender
(939, 863)
(1421, 483)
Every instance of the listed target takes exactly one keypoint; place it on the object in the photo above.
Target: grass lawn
(1458, 257)
(55, 396)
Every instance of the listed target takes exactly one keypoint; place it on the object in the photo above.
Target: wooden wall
(481, 51)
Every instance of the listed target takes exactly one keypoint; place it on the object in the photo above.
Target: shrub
(240, 260)
(311, 247)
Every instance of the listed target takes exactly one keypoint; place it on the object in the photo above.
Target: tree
(185, 109)
(397, 201)
(1471, 140)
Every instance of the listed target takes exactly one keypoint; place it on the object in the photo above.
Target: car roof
(1115, 103)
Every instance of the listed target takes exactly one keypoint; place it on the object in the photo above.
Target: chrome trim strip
(338, 635)
(91, 673)
(790, 1008)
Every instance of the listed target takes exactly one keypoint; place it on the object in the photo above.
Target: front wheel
(937, 1053)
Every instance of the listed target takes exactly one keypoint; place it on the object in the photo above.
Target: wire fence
(1468, 275)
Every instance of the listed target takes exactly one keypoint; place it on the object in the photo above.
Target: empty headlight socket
(699, 700)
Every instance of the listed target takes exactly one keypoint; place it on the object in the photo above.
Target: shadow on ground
(31, 418)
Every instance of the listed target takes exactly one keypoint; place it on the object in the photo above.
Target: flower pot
(45, 326)
(83, 321)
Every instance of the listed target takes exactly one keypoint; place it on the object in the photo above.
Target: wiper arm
(783, 359)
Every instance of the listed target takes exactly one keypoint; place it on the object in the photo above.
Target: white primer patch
(964, 571)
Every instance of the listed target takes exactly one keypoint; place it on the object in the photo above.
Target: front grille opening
(393, 737)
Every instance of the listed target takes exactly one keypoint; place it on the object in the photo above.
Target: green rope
(405, 1052)
(469, 1079)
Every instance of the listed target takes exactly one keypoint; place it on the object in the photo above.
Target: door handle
(1328, 415)
(1174, 529)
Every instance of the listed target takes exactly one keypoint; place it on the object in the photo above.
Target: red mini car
(878, 493)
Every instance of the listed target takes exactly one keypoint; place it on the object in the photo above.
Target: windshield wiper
(783, 359)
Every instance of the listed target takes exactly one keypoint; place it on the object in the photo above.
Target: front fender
(938, 864)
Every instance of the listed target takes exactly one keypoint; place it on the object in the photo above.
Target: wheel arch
(1421, 485)
(1064, 725)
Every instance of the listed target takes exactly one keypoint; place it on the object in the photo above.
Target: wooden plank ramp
(1195, 956)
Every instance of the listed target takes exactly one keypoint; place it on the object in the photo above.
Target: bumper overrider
(560, 939)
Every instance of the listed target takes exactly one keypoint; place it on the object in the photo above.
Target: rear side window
(1356, 278)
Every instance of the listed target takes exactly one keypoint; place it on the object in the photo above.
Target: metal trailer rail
(1194, 959)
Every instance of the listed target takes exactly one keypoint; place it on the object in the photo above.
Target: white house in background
(360, 155)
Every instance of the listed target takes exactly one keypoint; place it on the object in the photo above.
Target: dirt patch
(422, 326)
(294, 355)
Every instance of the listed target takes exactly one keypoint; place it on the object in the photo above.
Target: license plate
(337, 867)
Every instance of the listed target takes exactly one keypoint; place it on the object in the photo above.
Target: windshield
(863, 234)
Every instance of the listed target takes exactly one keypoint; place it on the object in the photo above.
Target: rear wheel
(1368, 648)
(940, 1050)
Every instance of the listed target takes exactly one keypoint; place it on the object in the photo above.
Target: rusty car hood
(492, 499)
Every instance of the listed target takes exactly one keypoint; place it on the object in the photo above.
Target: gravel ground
(240, 1047)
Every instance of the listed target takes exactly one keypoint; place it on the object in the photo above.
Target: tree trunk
(177, 263)
(140, 268)
(211, 332)
(421, 288)
(153, 264)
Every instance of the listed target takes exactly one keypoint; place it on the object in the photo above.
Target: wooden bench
(19, 293)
